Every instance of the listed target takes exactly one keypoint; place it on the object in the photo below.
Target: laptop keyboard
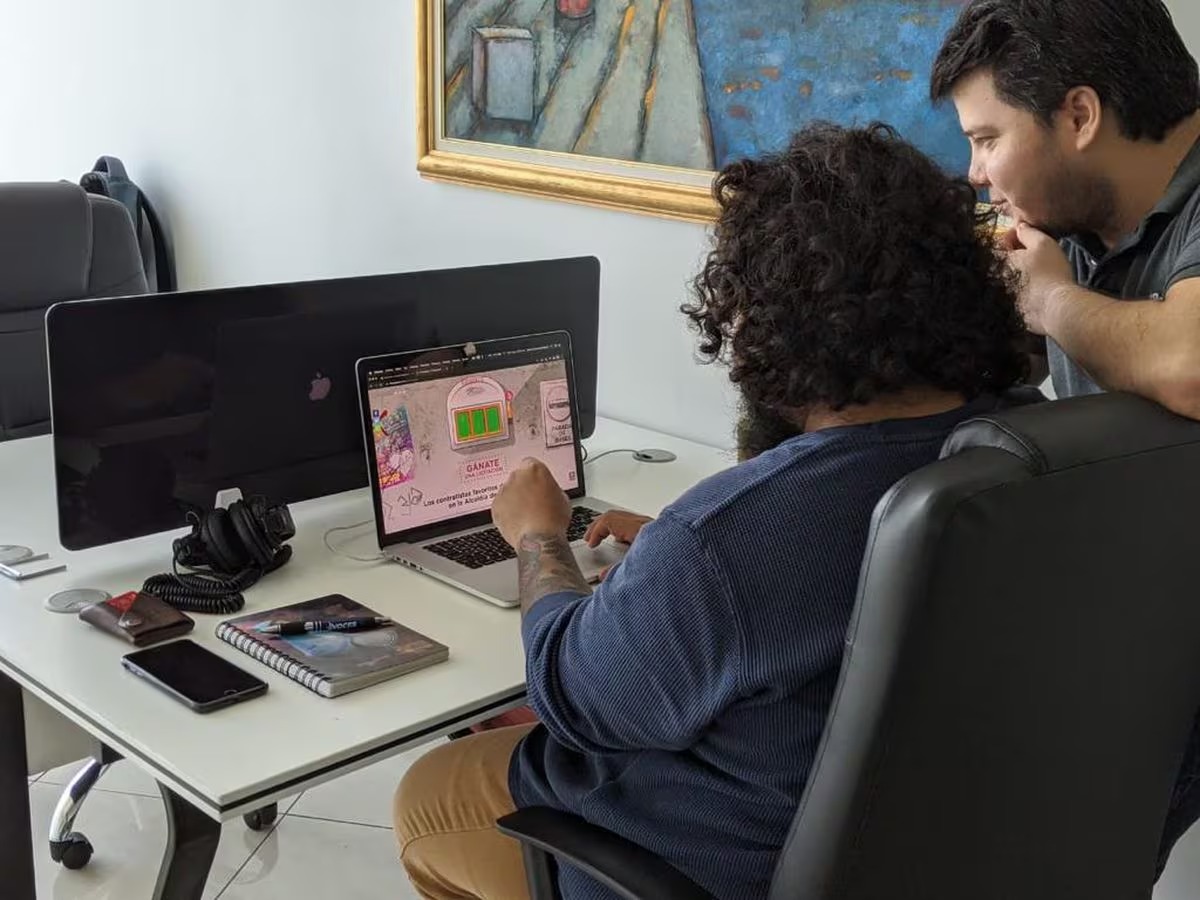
(483, 548)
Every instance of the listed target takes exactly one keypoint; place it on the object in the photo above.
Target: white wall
(278, 137)
(1187, 18)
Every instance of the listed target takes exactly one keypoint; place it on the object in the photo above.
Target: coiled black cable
(210, 593)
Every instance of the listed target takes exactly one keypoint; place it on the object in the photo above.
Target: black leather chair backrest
(56, 243)
(1022, 669)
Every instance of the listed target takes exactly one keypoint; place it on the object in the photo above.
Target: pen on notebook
(290, 628)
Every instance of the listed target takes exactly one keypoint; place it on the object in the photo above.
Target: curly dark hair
(850, 267)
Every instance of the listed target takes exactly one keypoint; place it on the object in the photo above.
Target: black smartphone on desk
(196, 677)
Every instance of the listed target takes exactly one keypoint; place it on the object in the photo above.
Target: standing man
(1083, 121)
(1084, 126)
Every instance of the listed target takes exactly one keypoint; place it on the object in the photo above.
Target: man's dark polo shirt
(1164, 249)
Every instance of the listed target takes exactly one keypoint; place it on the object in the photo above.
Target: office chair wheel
(261, 819)
(73, 852)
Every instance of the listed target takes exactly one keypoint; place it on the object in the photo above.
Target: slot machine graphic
(478, 413)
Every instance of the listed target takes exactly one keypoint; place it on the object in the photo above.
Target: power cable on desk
(336, 552)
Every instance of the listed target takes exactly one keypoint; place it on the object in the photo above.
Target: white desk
(216, 767)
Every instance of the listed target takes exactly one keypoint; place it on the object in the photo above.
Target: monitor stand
(227, 497)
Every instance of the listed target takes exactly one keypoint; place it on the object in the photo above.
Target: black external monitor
(160, 401)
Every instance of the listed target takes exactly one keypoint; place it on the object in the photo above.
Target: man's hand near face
(1046, 276)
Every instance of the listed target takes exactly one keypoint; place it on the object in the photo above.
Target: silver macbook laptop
(444, 429)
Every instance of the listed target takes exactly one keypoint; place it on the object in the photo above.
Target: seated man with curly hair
(681, 702)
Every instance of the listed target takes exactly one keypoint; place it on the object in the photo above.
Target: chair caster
(261, 819)
(73, 852)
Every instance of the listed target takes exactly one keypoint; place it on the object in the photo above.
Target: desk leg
(16, 829)
(192, 839)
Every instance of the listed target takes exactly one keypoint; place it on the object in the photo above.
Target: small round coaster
(655, 456)
(13, 553)
(76, 600)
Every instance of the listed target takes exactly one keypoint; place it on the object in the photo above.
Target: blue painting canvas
(692, 84)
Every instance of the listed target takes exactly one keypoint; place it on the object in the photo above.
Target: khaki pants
(445, 814)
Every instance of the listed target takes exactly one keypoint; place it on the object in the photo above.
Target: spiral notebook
(332, 664)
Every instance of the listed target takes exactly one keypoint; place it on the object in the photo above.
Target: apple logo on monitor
(321, 386)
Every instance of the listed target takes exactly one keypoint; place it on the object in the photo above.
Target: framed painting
(633, 104)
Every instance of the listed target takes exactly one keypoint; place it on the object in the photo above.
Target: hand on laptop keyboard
(487, 547)
(620, 525)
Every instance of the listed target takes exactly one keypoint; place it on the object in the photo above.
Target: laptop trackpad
(593, 562)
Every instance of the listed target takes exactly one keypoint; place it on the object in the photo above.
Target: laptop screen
(447, 428)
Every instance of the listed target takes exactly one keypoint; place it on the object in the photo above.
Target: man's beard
(761, 428)
(1077, 204)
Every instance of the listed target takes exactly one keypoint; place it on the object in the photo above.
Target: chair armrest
(632, 871)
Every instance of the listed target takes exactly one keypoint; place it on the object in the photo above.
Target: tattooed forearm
(547, 566)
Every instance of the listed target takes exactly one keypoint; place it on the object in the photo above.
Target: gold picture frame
(609, 190)
(631, 104)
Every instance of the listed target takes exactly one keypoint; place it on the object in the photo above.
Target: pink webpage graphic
(443, 448)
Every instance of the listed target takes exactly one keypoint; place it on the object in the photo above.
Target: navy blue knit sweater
(682, 702)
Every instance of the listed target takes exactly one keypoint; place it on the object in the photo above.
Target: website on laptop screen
(447, 433)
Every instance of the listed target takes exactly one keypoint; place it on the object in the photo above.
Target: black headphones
(251, 534)
(237, 547)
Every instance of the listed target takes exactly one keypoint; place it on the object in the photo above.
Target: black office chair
(1021, 677)
(56, 243)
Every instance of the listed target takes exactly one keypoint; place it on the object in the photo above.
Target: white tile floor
(346, 820)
